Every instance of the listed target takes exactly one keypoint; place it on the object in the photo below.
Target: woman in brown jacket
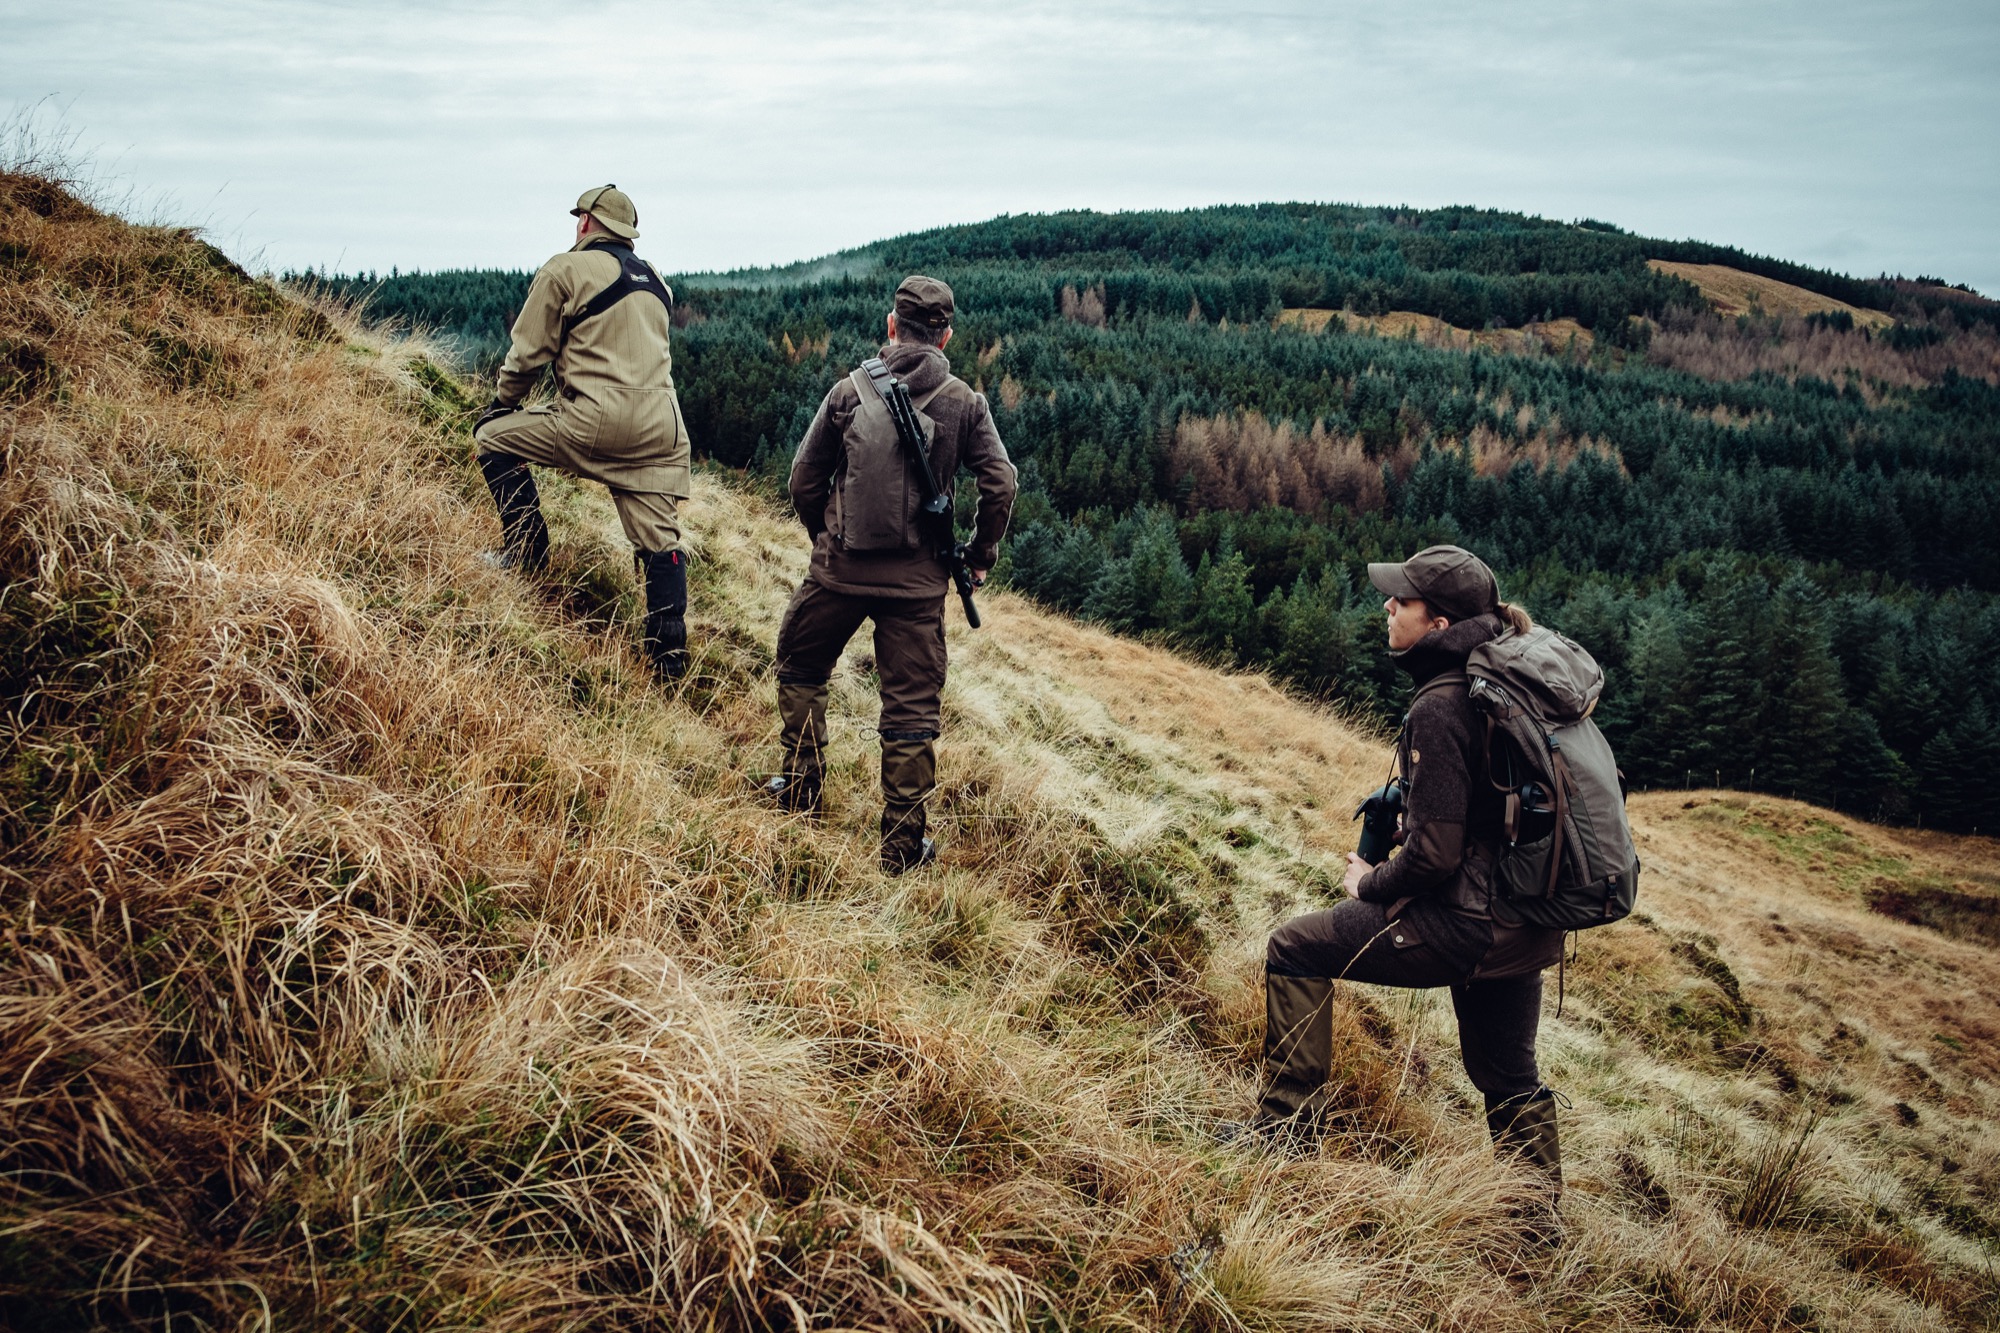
(1427, 916)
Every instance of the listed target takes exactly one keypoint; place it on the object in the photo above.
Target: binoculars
(1378, 814)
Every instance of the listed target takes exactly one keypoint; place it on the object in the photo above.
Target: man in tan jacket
(600, 315)
(858, 492)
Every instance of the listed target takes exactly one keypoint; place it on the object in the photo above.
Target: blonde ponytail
(1516, 618)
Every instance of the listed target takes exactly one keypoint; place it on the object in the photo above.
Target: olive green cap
(925, 301)
(1450, 580)
(611, 206)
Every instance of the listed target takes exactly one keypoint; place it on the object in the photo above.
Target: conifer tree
(1804, 704)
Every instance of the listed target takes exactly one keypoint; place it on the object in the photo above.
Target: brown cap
(1450, 580)
(925, 301)
(611, 206)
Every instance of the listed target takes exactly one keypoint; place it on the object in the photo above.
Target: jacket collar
(1445, 649)
(597, 238)
(922, 368)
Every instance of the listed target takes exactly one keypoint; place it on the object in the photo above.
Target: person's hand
(494, 411)
(1357, 870)
(979, 577)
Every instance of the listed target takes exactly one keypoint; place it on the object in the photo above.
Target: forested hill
(1774, 527)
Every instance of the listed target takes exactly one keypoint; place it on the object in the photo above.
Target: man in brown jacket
(599, 314)
(858, 493)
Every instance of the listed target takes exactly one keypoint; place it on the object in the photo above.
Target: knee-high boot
(1298, 1048)
(524, 540)
(909, 775)
(1524, 1128)
(802, 733)
(666, 611)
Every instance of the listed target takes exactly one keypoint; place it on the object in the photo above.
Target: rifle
(937, 503)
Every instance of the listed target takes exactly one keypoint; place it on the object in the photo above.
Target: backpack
(1568, 860)
(879, 493)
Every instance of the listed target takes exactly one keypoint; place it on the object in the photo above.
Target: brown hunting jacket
(1452, 817)
(614, 371)
(965, 437)
(1441, 882)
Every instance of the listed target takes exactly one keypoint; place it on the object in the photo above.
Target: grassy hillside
(381, 950)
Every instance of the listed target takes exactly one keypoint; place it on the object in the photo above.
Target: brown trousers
(909, 651)
(1498, 1018)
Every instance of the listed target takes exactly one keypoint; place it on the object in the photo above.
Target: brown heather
(1244, 462)
(1791, 346)
(379, 950)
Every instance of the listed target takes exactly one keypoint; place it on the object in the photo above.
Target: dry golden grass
(1731, 291)
(379, 949)
(1562, 336)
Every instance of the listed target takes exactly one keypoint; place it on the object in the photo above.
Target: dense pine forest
(1775, 529)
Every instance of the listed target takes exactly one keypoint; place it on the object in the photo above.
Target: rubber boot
(909, 775)
(1524, 1128)
(524, 537)
(1298, 1049)
(802, 722)
(666, 633)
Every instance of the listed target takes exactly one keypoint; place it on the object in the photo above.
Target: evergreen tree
(1149, 587)
(1804, 706)
(1224, 611)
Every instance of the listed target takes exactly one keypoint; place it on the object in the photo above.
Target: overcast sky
(1859, 136)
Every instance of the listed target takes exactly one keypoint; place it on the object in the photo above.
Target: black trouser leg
(1498, 1022)
(666, 611)
(524, 536)
(1355, 941)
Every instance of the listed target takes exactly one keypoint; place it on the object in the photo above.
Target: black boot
(1524, 1128)
(909, 775)
(666, 631)
(802, 719)
(524, 537)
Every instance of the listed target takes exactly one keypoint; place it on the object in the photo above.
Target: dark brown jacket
(965, 437)
(1451, 815)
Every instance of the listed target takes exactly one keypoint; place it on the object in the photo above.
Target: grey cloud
(1843, 133)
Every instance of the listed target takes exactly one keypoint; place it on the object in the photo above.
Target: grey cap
(925, 301)
(612, 207)
(1450, 580)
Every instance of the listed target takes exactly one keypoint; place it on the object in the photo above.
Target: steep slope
(382, 950)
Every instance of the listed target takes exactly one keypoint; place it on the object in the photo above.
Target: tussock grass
(380, 949)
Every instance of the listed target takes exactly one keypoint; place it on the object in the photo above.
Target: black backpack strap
(634, 275)
(878, 373)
